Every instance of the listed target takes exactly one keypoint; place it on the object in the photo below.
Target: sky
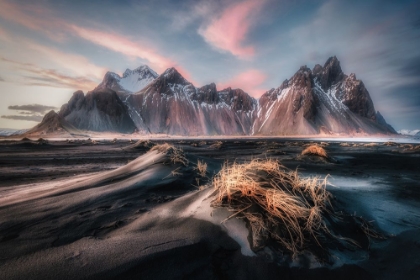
(51, 48)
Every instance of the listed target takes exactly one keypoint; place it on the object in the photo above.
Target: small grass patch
(201, 168)
(217, 145)
(176, 155)
(315, 150)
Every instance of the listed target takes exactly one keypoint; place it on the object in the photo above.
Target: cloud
(1, 79)
(228, 31)
(34, 108)
(250, 81)
(124, 45)
(189, 15)
(50, 77)
(33, 118)
(44, 20)
(34, 17)
(73, 62)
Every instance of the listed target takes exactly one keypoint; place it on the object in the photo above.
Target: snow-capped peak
(132, 81)
(143, 71)
(135, 80)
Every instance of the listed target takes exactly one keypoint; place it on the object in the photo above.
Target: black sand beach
(116, 210)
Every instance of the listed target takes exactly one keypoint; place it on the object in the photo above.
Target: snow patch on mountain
(409, 132)
(135, 80)
(10, 132)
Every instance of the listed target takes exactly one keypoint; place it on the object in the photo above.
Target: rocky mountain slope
(98, 110)
(319, 101)
(52, 123)
(172, 105)
(322, 100)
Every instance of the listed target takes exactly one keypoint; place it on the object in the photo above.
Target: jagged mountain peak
(168, 82)
(143, 70)
(131, 81)
(171, 75)
(330, 74)
(50, 115)
(53, 123)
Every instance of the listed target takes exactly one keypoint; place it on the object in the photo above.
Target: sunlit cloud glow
(250, 81)
(228, 31)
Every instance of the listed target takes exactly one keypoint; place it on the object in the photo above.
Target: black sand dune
(120, 211)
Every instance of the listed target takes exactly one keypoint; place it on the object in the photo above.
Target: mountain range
(322, 100)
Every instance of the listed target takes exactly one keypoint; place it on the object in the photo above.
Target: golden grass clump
(142, 143)
(216, 145)
(324, 144)
(276, 202)
(345, 144)
(315, 150)
(389, 143)
(371, 145)
(411, 149)
(201, 168)
(202, 143)
(176, 155)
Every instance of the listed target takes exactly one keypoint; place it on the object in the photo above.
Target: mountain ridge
(323, 100)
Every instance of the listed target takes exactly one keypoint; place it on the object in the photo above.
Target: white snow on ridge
(135, 80)
(408, 132)
(9, 131)
(134, 83)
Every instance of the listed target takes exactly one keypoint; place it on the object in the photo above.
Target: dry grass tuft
(315, 150)
(324, 144)
(176, 155)
(370, 145)
(202, 143)
(411, 149)
(201, 168)
(217, 145)
(389, 143)
(345, 144)
(276, 203)
(174, 173)
(142, 143)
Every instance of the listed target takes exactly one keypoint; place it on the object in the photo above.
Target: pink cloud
(33, 17)
(4, 35)
(228, 32)
(77, 64)
(38, 76)
(249, 81)
(43, 20)
(124, 45)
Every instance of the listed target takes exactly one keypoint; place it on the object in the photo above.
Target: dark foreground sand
(114, 211)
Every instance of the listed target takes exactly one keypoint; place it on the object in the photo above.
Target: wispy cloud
(50, 77)
(44, 20)
(124, 45)
(250, 81)
(34, 17)
(33, 118)
(190, 15)
(228, 31)
(73, 62)
(32, 108)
